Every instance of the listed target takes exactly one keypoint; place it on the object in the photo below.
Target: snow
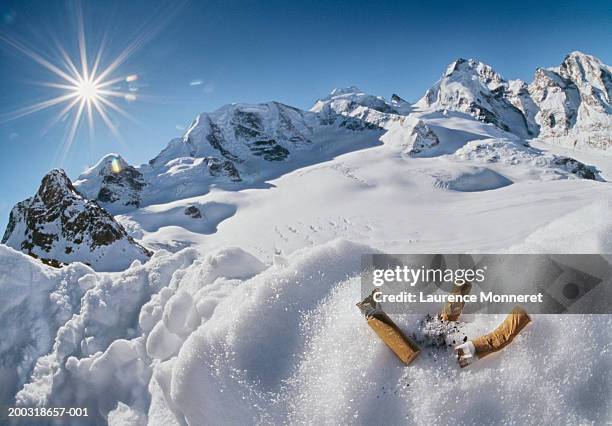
(155, 217)
(353, 102)
(472, 179)
(285, 343)
(589, 230)
(36, 301)
(245, 314)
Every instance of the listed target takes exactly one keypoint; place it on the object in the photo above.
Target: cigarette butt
(503, 334)
(452, 310)
(401, 345)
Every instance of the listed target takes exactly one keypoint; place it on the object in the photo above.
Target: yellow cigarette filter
(494, 341)
(401, 345)
(452, 310)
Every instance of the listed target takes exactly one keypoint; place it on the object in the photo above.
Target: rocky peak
(473, 68)
(422, 139)
(518, 95)
(583, 69)
(54, 187)
(58, 224)
(401, 106)
(474, 88)
(573, 101)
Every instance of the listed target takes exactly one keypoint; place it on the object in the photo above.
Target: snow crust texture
(233, 341)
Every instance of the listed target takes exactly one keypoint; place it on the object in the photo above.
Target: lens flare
(115, 165)
(87, 88)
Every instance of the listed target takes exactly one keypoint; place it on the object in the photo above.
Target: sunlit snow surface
(255, 321)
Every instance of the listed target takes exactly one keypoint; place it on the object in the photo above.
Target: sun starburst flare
(88, 90)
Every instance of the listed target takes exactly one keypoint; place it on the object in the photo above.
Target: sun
(86, 82)
(88, 91)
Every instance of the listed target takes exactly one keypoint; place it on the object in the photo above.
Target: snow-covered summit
(587, 70)
(351, 97)
(571, 102)
(237, 132)
(353, 102)
(112, 180)
(58, 224)
(474, 88)
(574, 101)
(251, 137)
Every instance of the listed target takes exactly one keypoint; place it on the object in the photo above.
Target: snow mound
(535, 162)
(196, 217)
(225, 340)
(471, 179)
(89, 360)
(35, 301)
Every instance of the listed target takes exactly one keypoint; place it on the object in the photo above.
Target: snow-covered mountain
(239, 144)
(232, 146)
(474, 88)
(416, 136)
(569, 104)
(574, 101)
(58, 224)
(353, 102)
(112, 180)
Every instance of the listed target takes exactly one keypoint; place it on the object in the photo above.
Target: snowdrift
(471, 179)
(227, 339)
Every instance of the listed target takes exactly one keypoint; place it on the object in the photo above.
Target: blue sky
(209, 53)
